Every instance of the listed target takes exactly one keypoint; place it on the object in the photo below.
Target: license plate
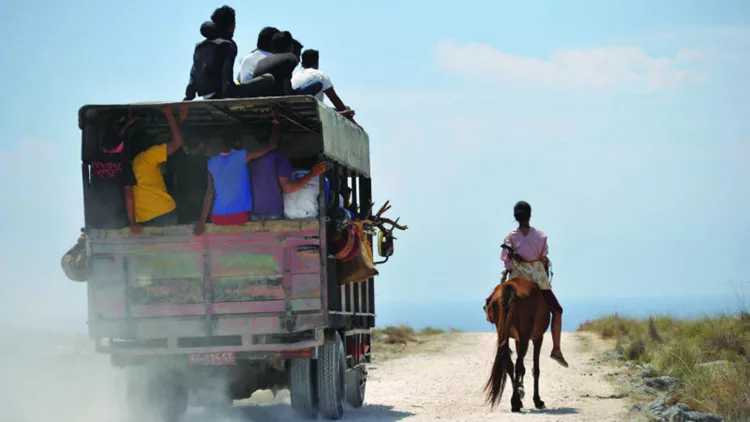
(213, 359)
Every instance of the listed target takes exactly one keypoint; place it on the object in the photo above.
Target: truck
(266, 305)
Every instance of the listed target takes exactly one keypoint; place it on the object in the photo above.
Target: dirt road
(448, 385)
(441, 380)
(444, 380)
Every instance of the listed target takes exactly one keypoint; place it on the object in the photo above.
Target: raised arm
(273, 142)
(208, 201)
(176, 142)
(290, 186)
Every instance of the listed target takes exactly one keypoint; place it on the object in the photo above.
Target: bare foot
(557, 356)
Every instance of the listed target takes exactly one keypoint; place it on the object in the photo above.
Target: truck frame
(214, 318)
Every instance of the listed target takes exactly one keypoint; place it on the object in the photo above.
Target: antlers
(379, 221)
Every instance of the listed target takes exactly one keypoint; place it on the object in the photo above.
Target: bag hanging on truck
(361, 267)
(74, 263)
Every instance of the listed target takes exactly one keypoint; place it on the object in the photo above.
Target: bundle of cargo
(74, 262)
(352, 247)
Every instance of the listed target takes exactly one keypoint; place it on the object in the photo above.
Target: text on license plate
(224, 358)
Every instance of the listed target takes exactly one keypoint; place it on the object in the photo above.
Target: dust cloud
(52, 373)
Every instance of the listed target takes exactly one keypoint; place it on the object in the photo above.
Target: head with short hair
(264, 38)
(282, 42)
(310, 59)
(224, 18)
(229, 143)
(297, 48)
(522, 212)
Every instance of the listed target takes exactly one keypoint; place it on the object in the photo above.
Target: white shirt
(310, 75)
(248, 64)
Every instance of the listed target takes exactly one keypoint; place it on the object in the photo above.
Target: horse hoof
(515, 409)
(539, 405)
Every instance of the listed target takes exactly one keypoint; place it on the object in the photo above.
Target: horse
(518, 310)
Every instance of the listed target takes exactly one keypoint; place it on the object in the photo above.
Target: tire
(356, 384)
(331, 379)
(302, 387)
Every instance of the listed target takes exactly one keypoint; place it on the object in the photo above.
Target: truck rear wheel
(356, 383)
(331, 379)
(302, 387)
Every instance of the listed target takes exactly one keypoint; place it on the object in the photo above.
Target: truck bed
(251, 288)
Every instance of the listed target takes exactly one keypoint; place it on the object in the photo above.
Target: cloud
(593, 70)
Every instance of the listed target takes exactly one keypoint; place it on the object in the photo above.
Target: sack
(304, 202)
(75, 263)
(360, 268)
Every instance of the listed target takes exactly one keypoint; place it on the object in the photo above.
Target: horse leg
(518, 390)
(538, 403)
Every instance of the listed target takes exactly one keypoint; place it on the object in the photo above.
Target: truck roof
(314, 126)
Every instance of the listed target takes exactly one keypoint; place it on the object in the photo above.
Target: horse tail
(496, 383)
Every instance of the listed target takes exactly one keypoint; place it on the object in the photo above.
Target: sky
(625, 124)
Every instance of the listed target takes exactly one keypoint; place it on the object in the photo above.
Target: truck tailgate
(259, 278)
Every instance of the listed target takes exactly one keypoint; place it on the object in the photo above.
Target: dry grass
(710, 356)
(396, 341)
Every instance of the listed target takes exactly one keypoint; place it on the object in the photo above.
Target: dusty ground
(439, 379)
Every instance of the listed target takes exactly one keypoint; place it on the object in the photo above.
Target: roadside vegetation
(710, 357)
(395, 341)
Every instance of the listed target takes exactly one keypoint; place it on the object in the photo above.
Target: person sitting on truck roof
(310, 74)
(213, 59)
(297, 49)
(154, 207)
(270, 178)
(263, 50)
(280, 64)
(228, 196)
(110, 202)
(186, 177)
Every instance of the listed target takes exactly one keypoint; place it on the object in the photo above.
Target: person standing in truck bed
(270, 178)
(187, 171)
(154, 207)
(109, 201)
(228, 196)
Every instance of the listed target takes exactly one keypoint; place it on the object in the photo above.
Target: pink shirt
(530, 248)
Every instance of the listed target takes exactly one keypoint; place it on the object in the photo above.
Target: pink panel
(254, 307)
(168, 309)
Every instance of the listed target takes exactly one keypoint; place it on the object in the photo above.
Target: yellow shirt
(150, 193)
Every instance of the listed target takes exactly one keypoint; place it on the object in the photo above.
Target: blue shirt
(231, 183)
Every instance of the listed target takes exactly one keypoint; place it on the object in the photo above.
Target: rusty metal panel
(302, 305)
(247, 288)
(254, 307)
(306, 286)
(109, 301)
(238, 261)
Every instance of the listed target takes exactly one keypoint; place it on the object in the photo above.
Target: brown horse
(518, 310)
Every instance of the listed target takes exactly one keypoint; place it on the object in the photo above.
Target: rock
(664, 383)
(659, 410)
(649, 371)
(702, 417)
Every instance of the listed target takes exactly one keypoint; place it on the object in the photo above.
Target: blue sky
(624, 124)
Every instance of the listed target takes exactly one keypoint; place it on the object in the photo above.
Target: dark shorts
(551, 300)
